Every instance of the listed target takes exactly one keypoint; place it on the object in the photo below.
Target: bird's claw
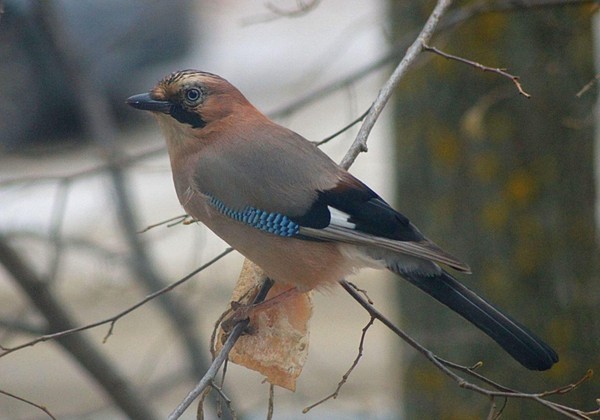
(240, 312)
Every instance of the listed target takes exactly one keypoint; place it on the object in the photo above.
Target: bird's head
(190, 100)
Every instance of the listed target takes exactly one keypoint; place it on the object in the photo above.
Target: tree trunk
(506, 183)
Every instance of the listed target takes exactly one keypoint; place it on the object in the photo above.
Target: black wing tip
(544, 361)
(524, 346)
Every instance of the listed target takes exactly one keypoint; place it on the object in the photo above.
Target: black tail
(517, 340)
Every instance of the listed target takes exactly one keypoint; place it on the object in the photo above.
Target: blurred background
(504, 182)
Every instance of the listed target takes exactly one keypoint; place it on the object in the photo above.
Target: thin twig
(302, 8)
(588, 86)
(471, 371)
(359, 146)
(568, 388)
(223, 397)
(357, 154)
(360, 143)
(173, 221)
(210, 374)
(99, 123)
(501, 72)
(26, 401)
(123, 160)
(80, 347)
(223, 376)
(160, 292)
(221, 357)
(444, 366)
(277, 12)
(342, 130)
(113, 319)
(271, 406)
(451, 21)
(335, 393)
(493, 413)
(363, 291)
(201, 399)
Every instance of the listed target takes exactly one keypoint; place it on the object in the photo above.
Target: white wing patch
(340, 219)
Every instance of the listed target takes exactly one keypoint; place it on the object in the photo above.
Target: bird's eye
(192, 95)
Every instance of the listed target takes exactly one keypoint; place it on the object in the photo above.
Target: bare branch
(302, 8)
(200, 408)
(588, 86)
(26, 401)
(221, 357)
(113, 319)
(212, 371)
(99, 123)
(78, 346)
(173, 221)
(122, 160)
(270, 408)
(363, 291)
(342, 130)
(225, 398)
(335, 393)
(495, 413)
(445, 367)
(451, 21)
(501, 72)
(360, 144)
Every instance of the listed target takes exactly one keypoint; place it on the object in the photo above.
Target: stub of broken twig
(276, 344)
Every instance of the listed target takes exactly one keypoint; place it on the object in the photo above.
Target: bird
(280, 201)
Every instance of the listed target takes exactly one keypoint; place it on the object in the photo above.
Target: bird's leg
(243, 311)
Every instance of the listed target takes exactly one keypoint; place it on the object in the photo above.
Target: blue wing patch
(275, 223)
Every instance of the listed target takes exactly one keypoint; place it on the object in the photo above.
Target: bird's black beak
(144, 102)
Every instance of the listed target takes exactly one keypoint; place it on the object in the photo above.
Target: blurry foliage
(506, 183)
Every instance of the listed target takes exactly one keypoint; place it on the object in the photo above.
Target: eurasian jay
(285, 205)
